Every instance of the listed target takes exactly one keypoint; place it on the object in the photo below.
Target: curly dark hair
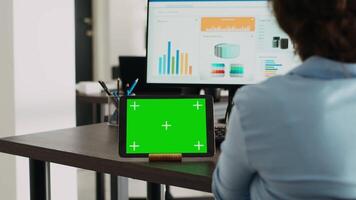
(319, 27)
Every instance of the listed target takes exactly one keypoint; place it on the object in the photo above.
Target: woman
(294, 136)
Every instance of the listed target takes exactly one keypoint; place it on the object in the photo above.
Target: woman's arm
(233, 175)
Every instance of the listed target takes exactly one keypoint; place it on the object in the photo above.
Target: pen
(103, 85)
(133, 85)
(126, 88)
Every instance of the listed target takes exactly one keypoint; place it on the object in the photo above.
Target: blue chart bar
(160, 65)
(169, 57)
(177, 62)
(164, 64)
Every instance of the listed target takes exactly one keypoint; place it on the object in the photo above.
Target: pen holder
(113, 110)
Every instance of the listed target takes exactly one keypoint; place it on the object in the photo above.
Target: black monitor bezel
(176, 85)
(209, 125)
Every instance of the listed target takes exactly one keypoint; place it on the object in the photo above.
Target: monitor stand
(230, 105)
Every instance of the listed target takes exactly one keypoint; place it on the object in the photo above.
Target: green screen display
(156, 126)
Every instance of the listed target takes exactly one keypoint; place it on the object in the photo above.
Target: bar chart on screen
(174, 62)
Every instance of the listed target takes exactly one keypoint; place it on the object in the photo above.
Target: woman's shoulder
(270, 101)
(263, 91)
(291, 97)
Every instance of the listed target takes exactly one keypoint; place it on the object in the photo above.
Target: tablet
(166, 125)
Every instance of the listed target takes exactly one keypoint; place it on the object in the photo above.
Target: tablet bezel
(209, 125)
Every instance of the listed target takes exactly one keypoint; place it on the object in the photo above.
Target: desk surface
(95, 147)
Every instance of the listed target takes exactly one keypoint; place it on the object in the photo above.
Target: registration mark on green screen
(156, 126)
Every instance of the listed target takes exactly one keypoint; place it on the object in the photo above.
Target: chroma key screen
(157, 126)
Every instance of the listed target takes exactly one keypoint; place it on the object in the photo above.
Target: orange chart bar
(182, 65)
(186, 64)
(211, 24)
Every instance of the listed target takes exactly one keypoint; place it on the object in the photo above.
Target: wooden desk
(95, 147)
(97, 102)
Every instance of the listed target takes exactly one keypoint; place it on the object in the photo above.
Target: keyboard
(220, 132)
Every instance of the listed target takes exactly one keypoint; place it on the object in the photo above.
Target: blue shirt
(292, 137)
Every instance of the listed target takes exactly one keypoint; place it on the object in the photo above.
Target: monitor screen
(215, 42)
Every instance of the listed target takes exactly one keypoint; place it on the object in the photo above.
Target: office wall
(7, 107)
(101, 39)
(44, 72)
(127, 28)
(123, 23)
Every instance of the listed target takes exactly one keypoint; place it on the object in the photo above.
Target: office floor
(137, 189)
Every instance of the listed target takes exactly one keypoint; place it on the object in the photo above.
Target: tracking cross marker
(134, 146)
(198, 145)
(198, 105)
(166, 125)
(134, 105)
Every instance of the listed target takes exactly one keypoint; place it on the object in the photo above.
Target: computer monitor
(215, 42)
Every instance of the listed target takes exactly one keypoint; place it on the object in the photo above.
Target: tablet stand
(165, 157)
